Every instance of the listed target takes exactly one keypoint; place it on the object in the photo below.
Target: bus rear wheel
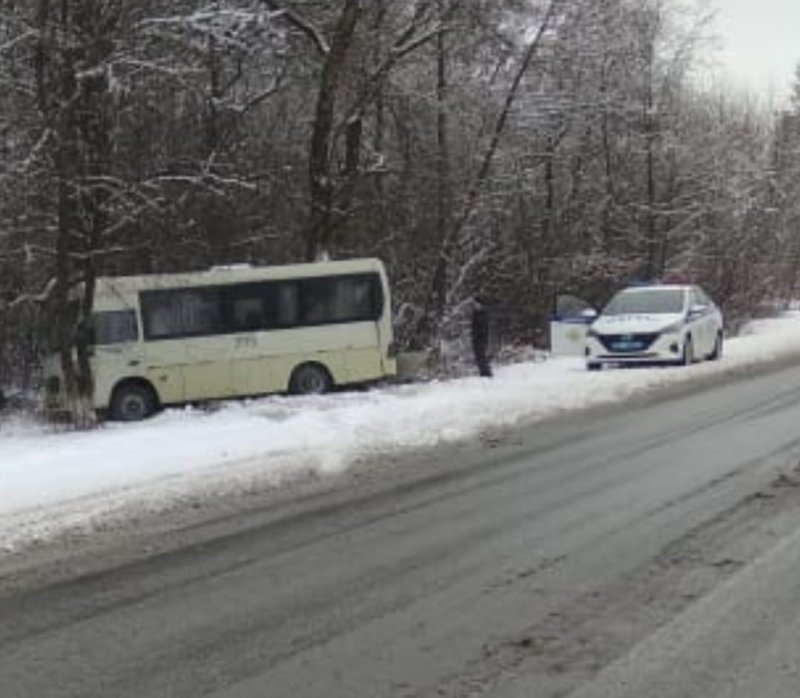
(310, 379)
(132, 402)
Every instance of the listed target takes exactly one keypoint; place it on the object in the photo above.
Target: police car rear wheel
(717, 352)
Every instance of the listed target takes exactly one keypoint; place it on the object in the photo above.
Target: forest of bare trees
(516, 148)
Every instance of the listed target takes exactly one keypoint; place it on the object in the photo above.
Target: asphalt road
(562, 558)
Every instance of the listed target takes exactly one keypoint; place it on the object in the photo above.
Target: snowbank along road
(57, 484)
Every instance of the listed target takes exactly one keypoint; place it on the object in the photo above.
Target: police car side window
(695, 298)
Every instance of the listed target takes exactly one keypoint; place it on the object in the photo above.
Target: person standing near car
(479, 332)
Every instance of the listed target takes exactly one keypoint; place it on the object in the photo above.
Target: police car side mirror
(696, 311)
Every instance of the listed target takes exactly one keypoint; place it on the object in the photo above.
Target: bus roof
(233, 274)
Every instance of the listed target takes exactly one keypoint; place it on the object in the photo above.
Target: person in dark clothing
(480, 337)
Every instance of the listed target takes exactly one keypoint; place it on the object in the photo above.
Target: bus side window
(316, 301)
(247, 308)
(201, 311)
(355, 299)
(342, 299)
(182, 313)
(115, 327)
(284, 304)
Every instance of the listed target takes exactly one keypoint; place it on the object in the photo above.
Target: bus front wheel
(132, 402)
(310, 379)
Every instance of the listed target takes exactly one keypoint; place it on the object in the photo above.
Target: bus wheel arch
(310, 378)
(133, 399)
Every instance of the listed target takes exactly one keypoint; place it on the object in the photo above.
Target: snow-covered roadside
(55, 481)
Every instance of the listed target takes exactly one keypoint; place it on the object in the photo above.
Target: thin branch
(22, 166)
(30, 34)
(30, 297)
(301, 24)
(255, 100)
(405, 43)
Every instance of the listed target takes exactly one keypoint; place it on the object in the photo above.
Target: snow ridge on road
(56, 481)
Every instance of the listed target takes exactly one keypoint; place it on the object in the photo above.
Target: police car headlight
(591, 332)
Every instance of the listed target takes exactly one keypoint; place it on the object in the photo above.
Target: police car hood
(635, 323)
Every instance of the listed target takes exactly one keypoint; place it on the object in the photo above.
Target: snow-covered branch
(17, 40)
(22, 167)
(32, 298)
(301, 24)
(230, 27)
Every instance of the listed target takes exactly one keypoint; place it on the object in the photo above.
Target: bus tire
(133, 401)
(310, 379)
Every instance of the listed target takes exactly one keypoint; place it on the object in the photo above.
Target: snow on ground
(55, 481)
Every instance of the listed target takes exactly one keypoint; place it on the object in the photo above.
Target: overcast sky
(760, 43)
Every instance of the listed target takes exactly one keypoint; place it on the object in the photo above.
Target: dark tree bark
(321, 185)
(72, 87)
(443, 198)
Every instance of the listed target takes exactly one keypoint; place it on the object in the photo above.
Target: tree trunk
(74, 99)
(443, 199)
(321, 185)
(70, 236)
(379, 138)
(650, 126)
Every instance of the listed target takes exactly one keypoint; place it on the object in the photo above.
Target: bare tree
(505, 145)
(335, 129)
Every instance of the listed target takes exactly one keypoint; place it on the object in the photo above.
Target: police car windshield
(651, 301)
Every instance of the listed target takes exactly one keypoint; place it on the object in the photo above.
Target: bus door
(363, 351)
(346, 311)
(117, 351)
(361, 298)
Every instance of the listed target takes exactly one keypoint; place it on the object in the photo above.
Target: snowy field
(55, 481)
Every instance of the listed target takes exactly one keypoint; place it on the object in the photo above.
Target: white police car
(676, 324)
